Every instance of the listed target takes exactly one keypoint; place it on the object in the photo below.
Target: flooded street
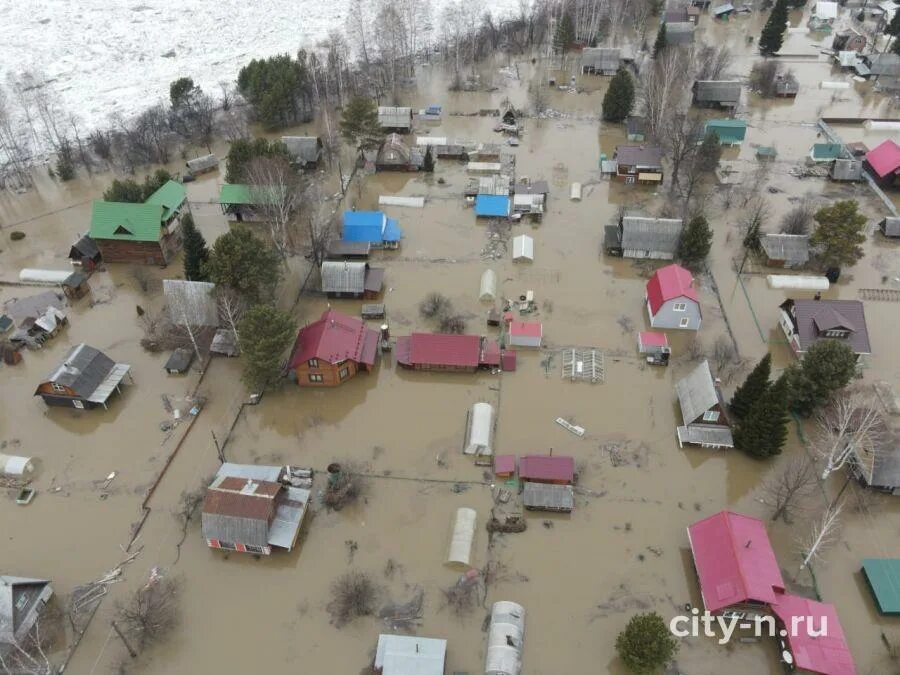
(580, 577)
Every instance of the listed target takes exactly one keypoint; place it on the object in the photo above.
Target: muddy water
(580, 576)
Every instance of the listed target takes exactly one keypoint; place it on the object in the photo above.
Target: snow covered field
(121, 55)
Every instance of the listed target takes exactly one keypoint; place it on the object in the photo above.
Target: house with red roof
(332, 350)
(883, 164)
(553, 469)
(672, 300)
(525, 333)
(735, 564)
(441, 351)
(814, 640)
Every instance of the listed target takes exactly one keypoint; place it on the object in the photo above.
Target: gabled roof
(303, 148)
(885, 158)
(811, 315)
(15, 624)
(659, 235)
(639, 155)
(334, 338)
(734, 560)
(793, 248)
(343, 276)
(679, 32)
(394, 117)
(883, 575)
(696, 393)
(84, 247)
(492, 206)
(727, 129)
(886, 64)
(443, 349)
(818, 644)
(601, 58)
(547, 468)
(236, 193)
(370, 226)
(668, 283)
(170, 195)
(21, 310)
(128, 222)
(826, 10)
(410, 655)
(83, 370)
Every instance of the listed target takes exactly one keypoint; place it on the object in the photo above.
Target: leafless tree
(664, 83)
(799, 219)
(435, 305)
(151, 614)
(538, 97)
(353, 594)
(787, 491)
(29, 656)
(275, 187)
(359, 27)
(320, 215)
(180, 313)
(14, 146)
(713, 62)
(49, 110)
(231, 309)
(194, 118)
(84, 155)
(823, 534)
(724, 354)
(851, 424)
(680, 136)
(639, 15)
(144, 139)
(226, 95)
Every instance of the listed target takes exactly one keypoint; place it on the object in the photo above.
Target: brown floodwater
(580, 577)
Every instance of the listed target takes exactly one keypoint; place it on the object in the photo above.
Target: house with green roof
(883, 578)
(826, 152)
(239, 203)
(145, 233)
(729, 131)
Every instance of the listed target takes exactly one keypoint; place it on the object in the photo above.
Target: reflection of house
(883, 163)
(395, 118)
(672, 300)
(332, 350)
(805, 322)
(729, 131)
(253, 509)
(639, 163)
(396, 155)
(409, 655)
(305, 151)
(22, 601)
(600, 60)
(372, 227)
(703, 413)
(785, 250)
(85, 379)
(346, 279)
(145, 233)
(717, 93)
(639, 237)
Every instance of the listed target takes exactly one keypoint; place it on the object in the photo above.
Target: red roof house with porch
(332, 350)
(883, 163)
(735, 562)
(672, 300)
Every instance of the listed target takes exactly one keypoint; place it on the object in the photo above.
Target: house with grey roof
(22, 601)
(703, 410)
(600, 60)
(806, 322)
(410, 655)
(305, 151)
(202, 164)
(639, 164)
(253, 508)
(349, 279)
(395, 118)
(86, 378)
(717, 93)
(36, 319)
(785, 250)
(641, 237)
(680, 33)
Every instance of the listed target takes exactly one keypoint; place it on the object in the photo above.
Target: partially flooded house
(145, 233)
(729, 131)
(642, 237)
(639, 164)
(254, 508)
(22, 603)
(883, 163)
(396, 155)
(717, 93)
(672, 300)
(600, 60)
(805, 322)
(441, 352)
(848, 40)
(395, 118)
(305, 151)
(239, 204)
(373, 228)
(35, 319)
(703, 411)
(332, 350)
(350, 279)
(785, 250)
(680, 33)
(86, 378)
(547, 482)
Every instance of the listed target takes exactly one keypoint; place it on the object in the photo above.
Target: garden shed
(523, 248)
(481, 425)
(460, 552)
(488, 286)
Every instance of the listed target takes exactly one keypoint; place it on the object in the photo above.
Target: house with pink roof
(883, 164)
(672, 300)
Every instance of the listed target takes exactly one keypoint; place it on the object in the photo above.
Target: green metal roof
(128, 222)
(826, 150)
(235, 194)
(170, 195)
(883, 575)
(766, 151)
(727, 129)
(726, 124)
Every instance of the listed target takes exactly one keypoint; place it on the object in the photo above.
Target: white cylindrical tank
(799, 282)
(44, 276)
(834, 85)
(12, 465)
(488, 285)
(460, 551)
(882, 125)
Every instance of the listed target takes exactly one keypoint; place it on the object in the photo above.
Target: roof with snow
(335, 338)
(734, 560)
(668, 283)
(884, 159)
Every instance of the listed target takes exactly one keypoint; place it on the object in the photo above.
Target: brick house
(332, 350)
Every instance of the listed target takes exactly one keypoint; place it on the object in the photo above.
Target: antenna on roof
(747, 545)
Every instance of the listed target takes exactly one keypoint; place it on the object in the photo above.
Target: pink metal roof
(526, 328)
(547, 467)
(734, 560)
(504, 463)
(490, 355)
(668, 283)
(508, 360)
(828, 653)
(653, 339)
(885, 158)
(334, 338)
(439, 349)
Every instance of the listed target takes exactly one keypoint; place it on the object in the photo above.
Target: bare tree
(320, 215)
(275, 187)
(851, 423)
(823, 534)
(799, 219)
(151, 614)
(664, 84)
(358, 28)
(14, 146)
(353, 594)
(713, 62)
(786, 491)
(181, 313)
(231, 308)
(29, 656)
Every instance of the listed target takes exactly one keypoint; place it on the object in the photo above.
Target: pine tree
(565, 34)
(696, 241)
(196, 252)
(752, 389)
(646, 644)
(660, 43)
(840, 234)
(619, 98)
(763, 432)
(827, 366)
(264, 332)
(359, 124)
(773, 32)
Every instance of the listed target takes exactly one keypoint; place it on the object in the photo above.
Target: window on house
(23, 600)
(314, 363)
(344, 373)
(685, 322)
(59, 388)
(679, 306)
(227, 545)
(78, 404)
(316, 378)
(711, 416)
(253, 549)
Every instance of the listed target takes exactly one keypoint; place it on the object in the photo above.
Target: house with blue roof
(492, 206)
(372, 227)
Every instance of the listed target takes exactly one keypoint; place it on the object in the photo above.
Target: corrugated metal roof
(442, 349)
(719, 91)
(884, 158)
(696, 393)
(170, 195)
(659, 235)
(639, 155)
(891, 227)
(883, 575)
(203, 163)
(128, 222)
(343, 276)
(33, 306)
(816, 638)
(410, 655)
(307, 149)
(668, 283)
(809, 314)
(792, 248)
(547, 468)
(601, 58)
(395, 117)
(83, 370)
(16, 622)
(334, 338)
(548, 497)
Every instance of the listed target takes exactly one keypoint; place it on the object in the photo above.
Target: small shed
(203, 164)
(76, 285)
(506, 639)
(488, 289)
(460, 550)
(492, 206)
(224, 343)
(890, 226)
(523, 248)
(348, 250)
(179, 361)
(826, 152)
(785, 250)
(723, 11)
(508, 360)
(847, 170)
(84, 252)
(655, 346)
(525, 333)
(395, 118)
(575, 192)
(729, 131)
(766, 152)
(600, 60)
(481, 428)
(305, 151)
(504, 466)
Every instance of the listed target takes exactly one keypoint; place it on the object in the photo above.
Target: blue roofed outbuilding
(492, 206)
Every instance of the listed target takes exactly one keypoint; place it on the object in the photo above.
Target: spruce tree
(196, 252)
(565, 34)
(660, 43)
(752, 389)
(763, 432)
(619, 98)
(772, 36)
(696, 240)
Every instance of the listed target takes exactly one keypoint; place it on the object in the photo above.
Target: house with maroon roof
(443, 351)
(330, 351)
(805, 322)
(552, 469)
(883, 164)
(672, 300)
